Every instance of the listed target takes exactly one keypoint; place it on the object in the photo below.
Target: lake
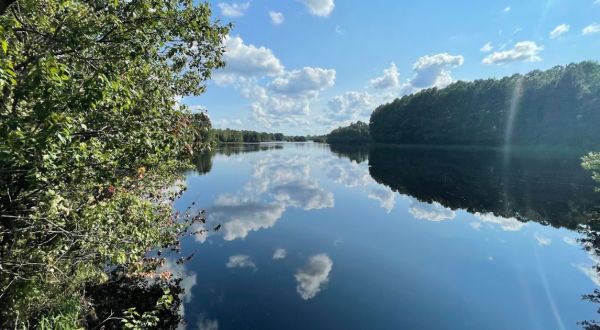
(314, 236)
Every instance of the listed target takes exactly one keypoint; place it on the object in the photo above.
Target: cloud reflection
(430, 211)
(279, 254)
(385, 196)
(313, 275)
(240, 261)
(507, 224)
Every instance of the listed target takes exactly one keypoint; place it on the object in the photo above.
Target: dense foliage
(244, 136)
(354, 133)
(92, 137)
(559, 106)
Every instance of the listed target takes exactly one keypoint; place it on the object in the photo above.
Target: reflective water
(314, 237)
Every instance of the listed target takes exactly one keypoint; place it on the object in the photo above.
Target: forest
(354, 133)
(245, 136)
(557, 107)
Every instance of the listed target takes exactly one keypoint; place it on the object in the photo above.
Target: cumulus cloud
(487, 47)
(349, 107)
(430, 211)
(306, 81)
(385, 196)
(279, 254)
(286, 99)
(276, 17)
(434, 70)
(522, 51)
(559, 30)
(542, 240)
(321, 8)
(313, 275)
(246, 61)
(389, 79)
(240, 261)
(233, 9)
(507, 224)
(591, 29)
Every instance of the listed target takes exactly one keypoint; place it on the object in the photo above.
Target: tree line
(354, 133)
(246, 136)
(557, 107)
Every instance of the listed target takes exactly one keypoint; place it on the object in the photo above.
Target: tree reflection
(591, 236)
(358, 153)
(203, 160)
(547, 187)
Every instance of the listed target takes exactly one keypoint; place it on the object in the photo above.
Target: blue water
(309, 240)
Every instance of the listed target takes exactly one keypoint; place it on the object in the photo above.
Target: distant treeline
(560, 106)
(355, 133)
(245, 136)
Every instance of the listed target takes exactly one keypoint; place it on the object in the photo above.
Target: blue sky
(307, 66)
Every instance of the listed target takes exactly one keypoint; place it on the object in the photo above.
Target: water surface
(319, 237)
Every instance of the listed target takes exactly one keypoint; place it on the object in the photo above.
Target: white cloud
(240, 261)
(245, 61)
(591, 29)
(522, 51)
(430, 211)
(349, 107)
(279, 254)
(276, 17)
(507, 9)
(487, 47)
(233, 9)
(541, 240)
(322, 8)
(434, 70)
(286, 99)
(389, 79)
(306, 81)
(475, 225)
(385, 196)
(559, 30)
(313, 275)
(507, 224)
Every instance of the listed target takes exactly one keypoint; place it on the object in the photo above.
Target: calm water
(315, 237)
